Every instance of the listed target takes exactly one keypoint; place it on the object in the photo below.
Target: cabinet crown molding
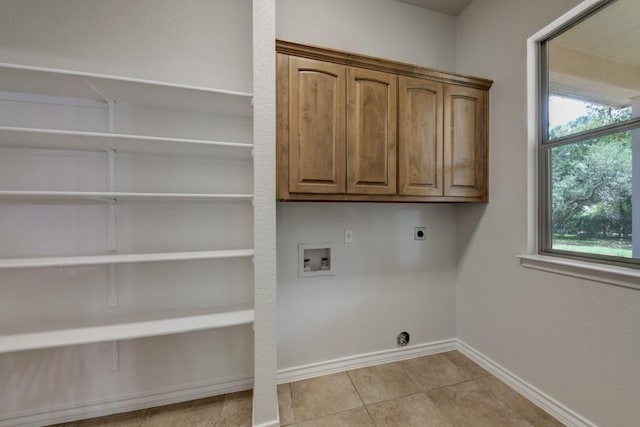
(379, 64)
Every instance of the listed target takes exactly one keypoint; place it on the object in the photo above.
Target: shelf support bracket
(112, 287)
(111, 106)
(112, 233)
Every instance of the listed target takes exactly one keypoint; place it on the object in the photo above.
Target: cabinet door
(419, 137)
(316, 127)
(371, 132)
(465, 141)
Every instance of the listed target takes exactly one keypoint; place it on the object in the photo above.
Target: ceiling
(613, 33)
(598, 59)
(449, 7)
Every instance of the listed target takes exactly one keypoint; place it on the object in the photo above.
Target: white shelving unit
(28, 81)
(15, 137)
(139, 325)
(142, 211)
(33, 98)
(80, 261)
(115, 196)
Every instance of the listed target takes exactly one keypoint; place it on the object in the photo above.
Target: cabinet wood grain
(358, 128)
(420, 137)
(371, 132)
(316, 127)
(465, 141)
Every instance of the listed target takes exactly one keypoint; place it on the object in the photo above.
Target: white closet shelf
(109, 196)
(149, 93)
(16, 137)
(122, 327)
(78, 261)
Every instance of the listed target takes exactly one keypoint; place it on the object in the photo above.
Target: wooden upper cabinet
(371, 132)
(419, 137)
(465, 142)
(357, 128)
(316, 105)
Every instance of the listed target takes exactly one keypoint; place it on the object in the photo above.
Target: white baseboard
(536, 396)
(126, 404)
(342, 364)
(197, 391)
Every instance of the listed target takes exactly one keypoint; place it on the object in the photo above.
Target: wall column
(265, 395)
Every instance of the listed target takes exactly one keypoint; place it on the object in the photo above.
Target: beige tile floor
(443, 390)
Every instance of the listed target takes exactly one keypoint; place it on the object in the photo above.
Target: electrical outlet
(420, 233)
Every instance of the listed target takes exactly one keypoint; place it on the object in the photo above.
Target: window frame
(544, 145)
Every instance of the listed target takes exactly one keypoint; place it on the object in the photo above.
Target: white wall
(197, 42)
(386, 282)
(382, 28)
(576, 340)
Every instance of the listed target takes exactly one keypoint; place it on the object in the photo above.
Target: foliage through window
(590, 136)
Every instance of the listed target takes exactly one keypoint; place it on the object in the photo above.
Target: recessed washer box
(316, 259)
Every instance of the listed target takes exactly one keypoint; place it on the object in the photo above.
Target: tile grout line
(444, 414)
(330, 413)
(494, 396)
(425, 391)
(292, 410)
(451, 420)
(406, 371)
(481, 377)
(454, 384)
(147, 415)
(361, 399)
(422, 389)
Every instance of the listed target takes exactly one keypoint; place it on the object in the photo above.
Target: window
(589, 131)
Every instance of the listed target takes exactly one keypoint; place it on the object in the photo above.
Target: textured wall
(386, 282)
(574, 339)
(383, 28)
(265, 398)
(195, 42)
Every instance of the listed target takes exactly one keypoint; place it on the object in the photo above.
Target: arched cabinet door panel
(316, 127)
(419, 137)
(465, 142)
(371, 131)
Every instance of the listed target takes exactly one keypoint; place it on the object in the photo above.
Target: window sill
(609, 274)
